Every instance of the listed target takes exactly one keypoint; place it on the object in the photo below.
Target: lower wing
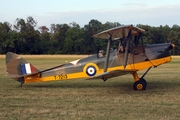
(115, 73)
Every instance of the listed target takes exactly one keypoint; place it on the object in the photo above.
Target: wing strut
(107, 53)
(127, 49)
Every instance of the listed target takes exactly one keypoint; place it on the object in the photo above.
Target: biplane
(130, 56)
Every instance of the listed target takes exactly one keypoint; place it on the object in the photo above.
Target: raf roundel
(91, 71)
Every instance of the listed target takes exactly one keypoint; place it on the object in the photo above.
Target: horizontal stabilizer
(15, 76)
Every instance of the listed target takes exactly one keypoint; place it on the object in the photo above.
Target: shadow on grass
(110, 84)
(78, 84)
(159, 85)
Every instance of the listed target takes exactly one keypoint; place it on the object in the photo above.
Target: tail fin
(17, 67)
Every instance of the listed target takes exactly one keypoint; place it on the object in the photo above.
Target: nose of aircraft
(172, 46)
(169, 49)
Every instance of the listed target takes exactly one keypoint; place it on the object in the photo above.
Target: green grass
(82, 99)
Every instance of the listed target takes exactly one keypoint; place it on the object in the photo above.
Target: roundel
(91, 70)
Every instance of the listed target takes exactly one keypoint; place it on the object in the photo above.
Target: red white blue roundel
(91, 70)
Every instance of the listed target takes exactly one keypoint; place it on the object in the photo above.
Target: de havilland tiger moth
(130, 56)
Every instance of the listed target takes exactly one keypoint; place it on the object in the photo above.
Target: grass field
(82, 99)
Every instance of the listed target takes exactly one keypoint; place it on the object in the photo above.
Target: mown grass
(82, 99)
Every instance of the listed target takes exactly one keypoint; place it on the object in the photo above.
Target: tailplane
(18, 67)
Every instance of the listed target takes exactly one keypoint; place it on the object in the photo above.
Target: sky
(47, 12)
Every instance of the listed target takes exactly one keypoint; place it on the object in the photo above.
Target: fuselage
(139, 57)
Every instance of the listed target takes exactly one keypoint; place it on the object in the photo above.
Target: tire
(140, 84)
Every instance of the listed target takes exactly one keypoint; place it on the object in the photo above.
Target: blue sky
(46, 12)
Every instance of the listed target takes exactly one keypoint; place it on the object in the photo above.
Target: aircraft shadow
(122, 86)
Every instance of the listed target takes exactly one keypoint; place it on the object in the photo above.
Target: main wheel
(140, 84)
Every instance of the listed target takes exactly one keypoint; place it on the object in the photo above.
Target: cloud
(154, 16)
(128, 14)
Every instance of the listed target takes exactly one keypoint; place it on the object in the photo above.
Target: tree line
(23, 37)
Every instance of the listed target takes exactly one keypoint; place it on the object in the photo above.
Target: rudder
(17, 67)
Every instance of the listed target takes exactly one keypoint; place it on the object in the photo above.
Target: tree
(92, 28)
(29, 36)
(43, 29)
(174, 37)
(11, 43)
(5, 30)
(74, 41)
(24, 37)
(58, 35)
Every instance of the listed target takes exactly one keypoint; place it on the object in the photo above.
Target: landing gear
(21, 80)
(21, 84)
(140, 83)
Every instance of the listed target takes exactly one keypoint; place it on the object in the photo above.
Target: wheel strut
(21, 84)
(146, 72)
(140, 83)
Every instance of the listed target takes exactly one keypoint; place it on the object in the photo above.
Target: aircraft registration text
(60, 77)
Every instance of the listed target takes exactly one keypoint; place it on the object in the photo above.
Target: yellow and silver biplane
(129, 57)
